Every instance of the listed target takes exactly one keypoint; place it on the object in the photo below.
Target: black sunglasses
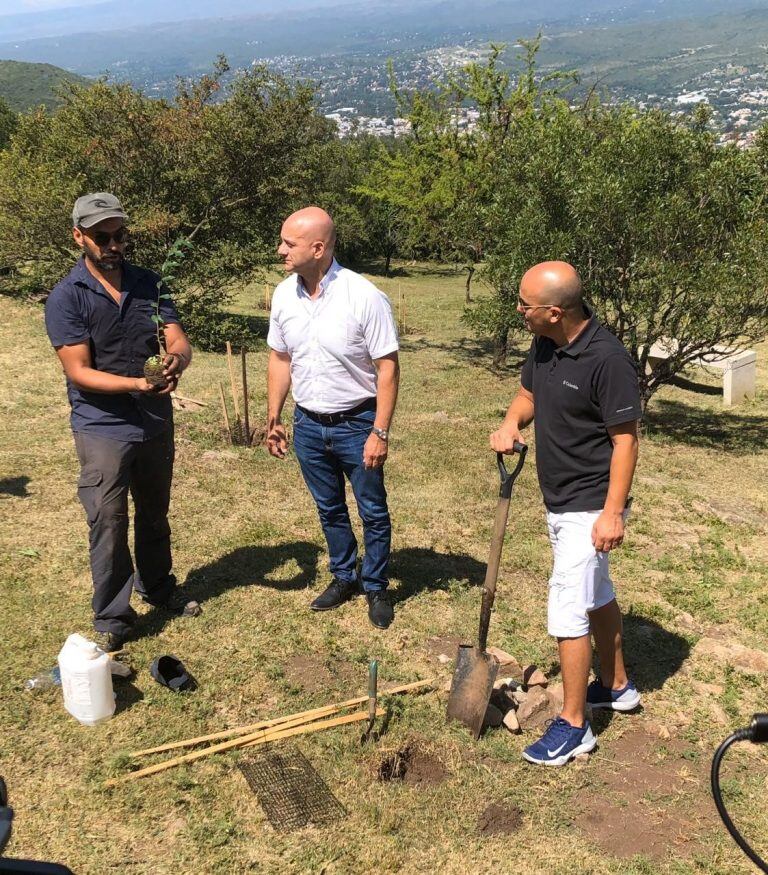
(103, 238)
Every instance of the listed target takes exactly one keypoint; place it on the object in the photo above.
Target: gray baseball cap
(90, 209)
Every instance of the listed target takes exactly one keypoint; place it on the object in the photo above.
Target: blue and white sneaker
(560, 743)
(625, 699)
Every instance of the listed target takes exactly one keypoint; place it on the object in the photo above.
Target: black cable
(756, 733)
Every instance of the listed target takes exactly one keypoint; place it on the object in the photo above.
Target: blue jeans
(327, 453)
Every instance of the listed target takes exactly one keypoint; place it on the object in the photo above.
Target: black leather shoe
(336, 594)
(178, 605)
(380, 610)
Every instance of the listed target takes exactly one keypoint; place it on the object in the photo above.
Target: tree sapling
(155, 365)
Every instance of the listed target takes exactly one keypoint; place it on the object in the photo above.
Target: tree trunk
(470, 273)
(500, 348)
(387, 262)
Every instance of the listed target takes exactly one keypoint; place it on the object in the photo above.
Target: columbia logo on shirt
(570, 385)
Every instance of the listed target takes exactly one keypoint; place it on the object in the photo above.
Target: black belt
(336, 418)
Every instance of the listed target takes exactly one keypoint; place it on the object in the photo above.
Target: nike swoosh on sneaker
(556, 751)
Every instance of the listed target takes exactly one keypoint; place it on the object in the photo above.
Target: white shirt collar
(326, 280)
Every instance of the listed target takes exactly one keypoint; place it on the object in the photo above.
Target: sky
(11, 7)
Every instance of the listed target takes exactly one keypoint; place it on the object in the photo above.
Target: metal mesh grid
(289, 789)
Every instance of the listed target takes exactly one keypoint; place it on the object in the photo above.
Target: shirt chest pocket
(342, 335)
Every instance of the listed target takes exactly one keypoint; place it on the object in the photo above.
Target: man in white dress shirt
(333, 340)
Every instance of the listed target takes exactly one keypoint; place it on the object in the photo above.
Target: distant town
(737, 95)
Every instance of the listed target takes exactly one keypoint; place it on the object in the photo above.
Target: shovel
(475, 672)
(373, 670)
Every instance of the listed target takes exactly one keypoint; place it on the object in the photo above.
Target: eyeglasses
(521, 305)
(103, 238)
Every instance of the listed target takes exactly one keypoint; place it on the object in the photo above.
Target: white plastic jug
(86, 681)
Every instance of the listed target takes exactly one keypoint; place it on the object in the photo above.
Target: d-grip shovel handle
(497, 540)
(508, 477)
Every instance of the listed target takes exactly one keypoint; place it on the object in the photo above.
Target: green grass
(247, 542)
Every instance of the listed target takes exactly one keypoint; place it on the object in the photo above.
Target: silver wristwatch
(381, 432)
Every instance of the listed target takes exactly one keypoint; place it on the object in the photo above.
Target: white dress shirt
(332, 340)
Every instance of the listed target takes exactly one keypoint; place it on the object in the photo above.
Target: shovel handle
(497, 540)
(508, 477)
(373, 672)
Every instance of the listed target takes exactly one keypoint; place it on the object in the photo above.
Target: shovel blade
(472, 686)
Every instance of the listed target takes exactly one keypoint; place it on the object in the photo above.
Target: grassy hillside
(24, 85)
(691, 576)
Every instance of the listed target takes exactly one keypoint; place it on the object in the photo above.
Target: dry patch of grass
(248, 544)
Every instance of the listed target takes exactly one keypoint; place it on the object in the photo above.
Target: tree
(222, 166)
(668, 231)
(7, 123)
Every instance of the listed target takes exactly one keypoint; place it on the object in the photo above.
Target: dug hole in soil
(412, 766)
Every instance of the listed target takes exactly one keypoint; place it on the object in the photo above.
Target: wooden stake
(300, 717)
(246, 423)
(189, 400)
(324, 711)
(231, 366)
(308, 728)
(224, 411)
(262, 737)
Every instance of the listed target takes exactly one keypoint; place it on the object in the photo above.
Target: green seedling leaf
(158, 320)
(165, 297)
(29, 551)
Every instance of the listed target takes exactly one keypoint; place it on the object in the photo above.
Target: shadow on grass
(375, 267)
(245, 566)
(419, 568)
(653, 654)
(698, 388)
(14, 486)
(477, 352)
(732, 432)
(126, 696)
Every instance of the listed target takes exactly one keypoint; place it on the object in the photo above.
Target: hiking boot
(178, 605)
(338, 592)
(560, 743)
(380, 610)
(109, 641)
(625, 699)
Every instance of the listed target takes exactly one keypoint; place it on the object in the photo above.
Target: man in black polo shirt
(99, 320)
(582, 387)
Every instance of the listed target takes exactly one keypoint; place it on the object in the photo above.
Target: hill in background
(24, 85)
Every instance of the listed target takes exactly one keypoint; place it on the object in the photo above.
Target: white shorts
(580, 581)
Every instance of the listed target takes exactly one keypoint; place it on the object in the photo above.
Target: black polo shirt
(578, 391)
(121, 338)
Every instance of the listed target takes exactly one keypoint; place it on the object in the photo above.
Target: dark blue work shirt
(121, 338)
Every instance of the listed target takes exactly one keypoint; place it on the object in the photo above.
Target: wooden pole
(231, 366)
(324, 711)
(308, 728)
(246, 423)
(282, 722)
(262, 737)
(224, 411)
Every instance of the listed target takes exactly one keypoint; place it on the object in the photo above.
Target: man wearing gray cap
(99, 320)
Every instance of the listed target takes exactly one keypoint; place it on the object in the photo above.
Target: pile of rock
(522, 699)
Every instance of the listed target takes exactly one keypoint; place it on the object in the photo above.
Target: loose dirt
(651, 798)
(500, 820)
(449, 645)
(308, 673)
(413, 766)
